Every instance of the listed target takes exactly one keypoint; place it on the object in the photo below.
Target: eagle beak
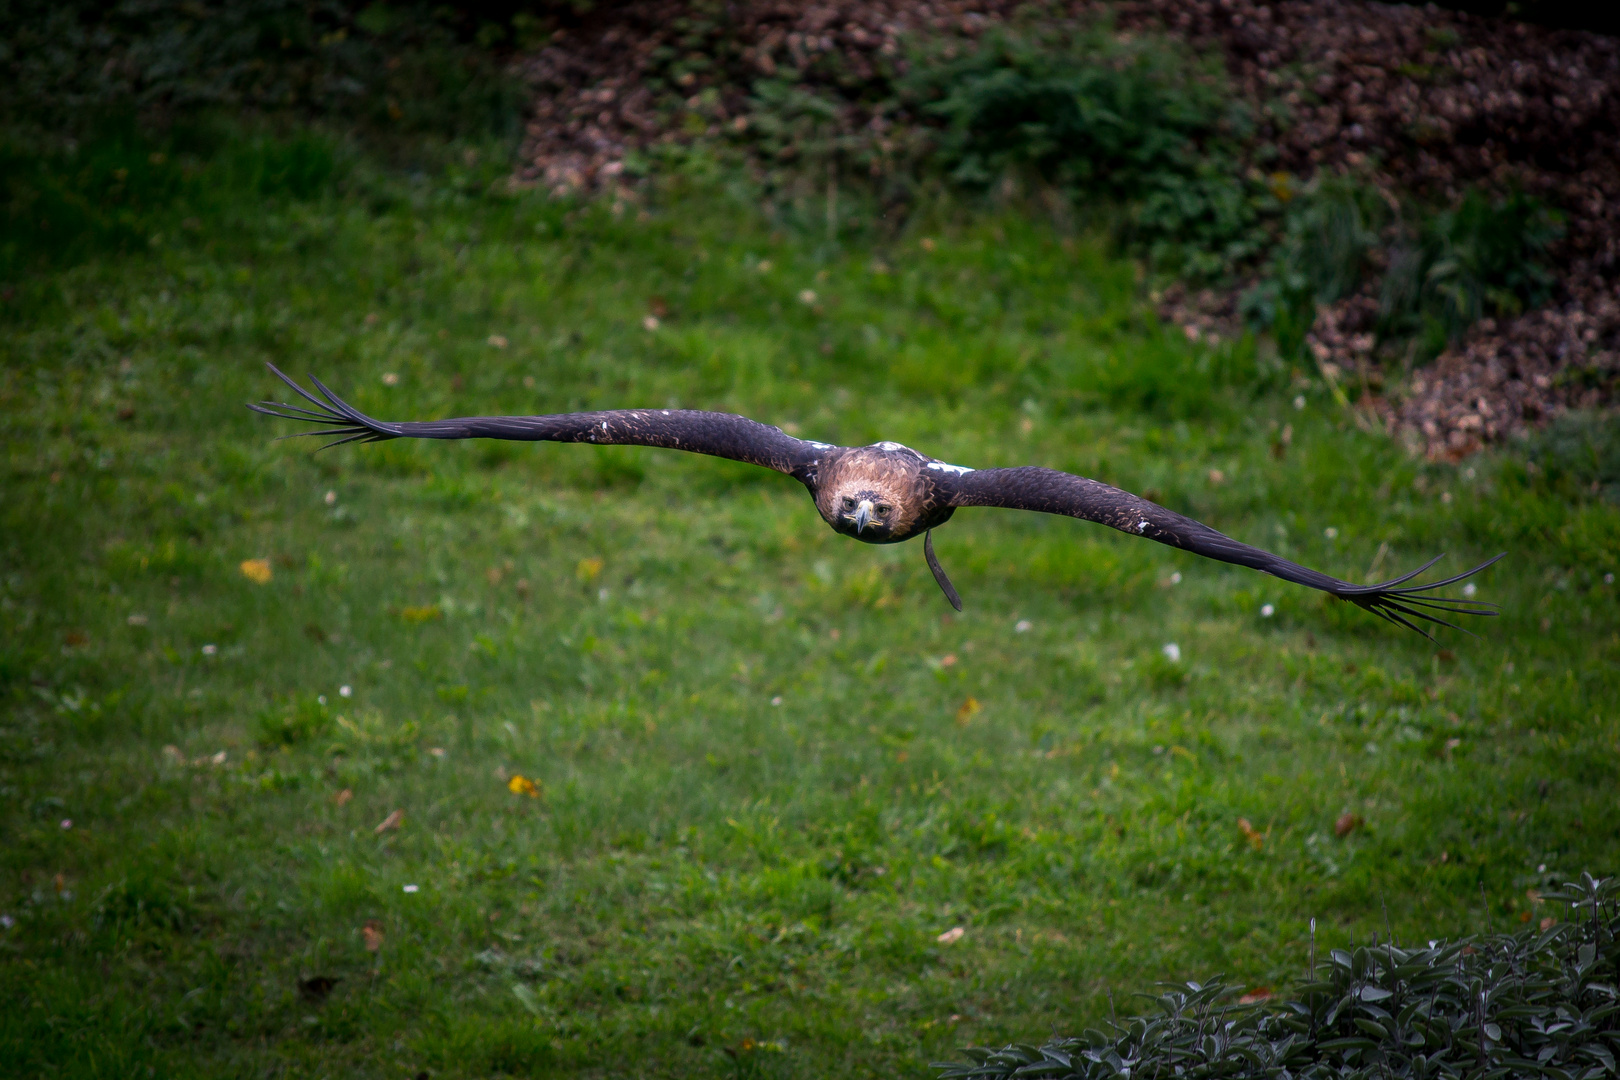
(863, 514)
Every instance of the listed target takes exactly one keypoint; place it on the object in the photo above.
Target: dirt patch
(1413, 99)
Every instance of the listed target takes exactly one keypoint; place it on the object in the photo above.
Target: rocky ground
(1417, 100)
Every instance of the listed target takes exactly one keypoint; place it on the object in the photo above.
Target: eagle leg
(939, 571)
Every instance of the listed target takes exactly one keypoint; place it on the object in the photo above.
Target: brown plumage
(886, 493)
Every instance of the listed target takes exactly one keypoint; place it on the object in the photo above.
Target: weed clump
(1541, 1001)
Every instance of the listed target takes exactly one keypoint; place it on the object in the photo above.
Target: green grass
(763, 790)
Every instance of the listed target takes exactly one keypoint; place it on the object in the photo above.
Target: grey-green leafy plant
(1539, 1003)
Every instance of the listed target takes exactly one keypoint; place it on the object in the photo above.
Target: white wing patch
(940, 466)
(1141, 527)
(819, 445)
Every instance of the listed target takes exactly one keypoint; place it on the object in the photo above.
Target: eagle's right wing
(1051, 492)
(717, 434)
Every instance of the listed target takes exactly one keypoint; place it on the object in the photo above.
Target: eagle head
(866, 513)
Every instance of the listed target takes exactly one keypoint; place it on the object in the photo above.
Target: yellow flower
(522, 785)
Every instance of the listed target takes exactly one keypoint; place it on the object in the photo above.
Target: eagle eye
(882, 509)
(849, 503)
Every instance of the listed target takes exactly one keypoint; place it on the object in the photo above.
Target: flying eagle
(886, 493)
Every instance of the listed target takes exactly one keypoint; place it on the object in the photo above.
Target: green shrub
(1534, 1003)
(1481, 257)
(1330, 231)
(1139, 122)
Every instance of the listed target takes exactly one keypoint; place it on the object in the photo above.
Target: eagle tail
(333, 416)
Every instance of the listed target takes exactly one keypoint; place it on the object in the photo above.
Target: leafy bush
(1330, 231)
(1481, 257)
(1137, 121)
(1535, 1003)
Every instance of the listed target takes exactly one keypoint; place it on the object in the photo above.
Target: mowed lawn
(770, 767)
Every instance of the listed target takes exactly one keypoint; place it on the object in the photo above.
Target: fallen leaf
(522, 785)
(1216, 476)
(588, 569)
(257, 571)
(498, 341)
(342, 798)
(1347, 824)
(172, 754)
(425, 613)
(951, 936)
(391, 822)
(659, 307)
(1259, 993)
(967, 710)
(1548, 922)
(1255, 837)
(373, 935)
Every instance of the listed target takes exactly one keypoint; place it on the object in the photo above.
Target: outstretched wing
(1052, 492)
(716, 434)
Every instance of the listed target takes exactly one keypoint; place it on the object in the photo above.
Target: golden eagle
(886, 493)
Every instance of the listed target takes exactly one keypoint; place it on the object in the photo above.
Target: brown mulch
(1414, 99)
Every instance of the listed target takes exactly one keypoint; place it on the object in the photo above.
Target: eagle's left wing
(717, 434)
(1051, 492)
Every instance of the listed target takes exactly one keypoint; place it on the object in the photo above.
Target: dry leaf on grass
(967, 710)
(391, 822)
(342, 798)
(522, 785)
(257, 571)
(1347, 824)
(951, 936)
(1255, 837)
(373, 935)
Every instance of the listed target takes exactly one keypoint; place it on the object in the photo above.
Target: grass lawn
(770, 766)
